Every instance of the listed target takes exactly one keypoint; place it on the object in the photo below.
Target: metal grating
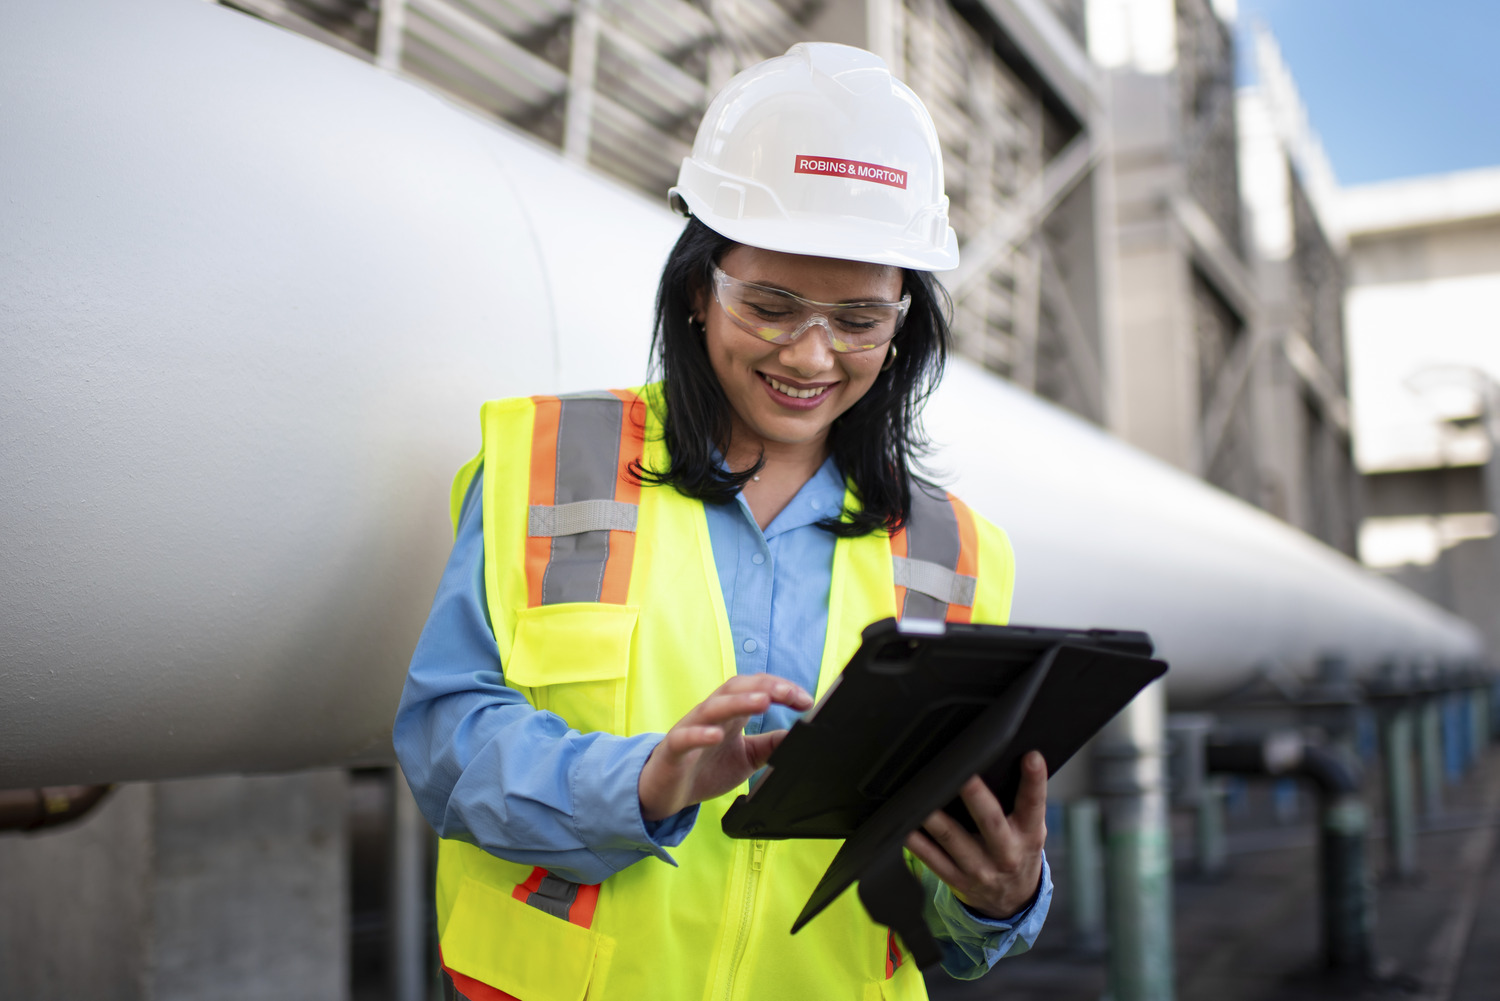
(1317, 284)
(993, 130)
(1205, 61)
(621, 85)
(1219, 333)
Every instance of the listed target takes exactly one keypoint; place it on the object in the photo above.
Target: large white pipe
(252, 292)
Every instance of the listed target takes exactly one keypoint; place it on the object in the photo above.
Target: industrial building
(1155, 398)
(1422, 277)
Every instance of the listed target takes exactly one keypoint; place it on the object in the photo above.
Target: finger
(720, 709)
(793, 696)
(966, 853)
(1030, 813)
(759, 747)
(681, 740)
(935, 859)
(777, 689)
(985, 809)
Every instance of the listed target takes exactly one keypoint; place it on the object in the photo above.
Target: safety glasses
(781, 317)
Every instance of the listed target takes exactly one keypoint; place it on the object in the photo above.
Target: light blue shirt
(487, 768)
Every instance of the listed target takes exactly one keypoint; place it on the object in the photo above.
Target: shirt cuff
(975, 942)
(606, 795)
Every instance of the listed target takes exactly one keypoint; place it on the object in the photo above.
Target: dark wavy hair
(875, 443)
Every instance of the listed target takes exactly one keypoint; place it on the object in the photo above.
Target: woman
(647, 587)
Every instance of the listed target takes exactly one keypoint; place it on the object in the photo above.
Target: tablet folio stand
(922, 706)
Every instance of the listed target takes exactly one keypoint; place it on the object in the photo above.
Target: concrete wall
(228, 888)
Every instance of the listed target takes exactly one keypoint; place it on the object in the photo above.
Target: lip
(792, 402)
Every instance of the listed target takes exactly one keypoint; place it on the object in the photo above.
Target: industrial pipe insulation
(255, 291)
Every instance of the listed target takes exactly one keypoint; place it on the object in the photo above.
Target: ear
(699, 301)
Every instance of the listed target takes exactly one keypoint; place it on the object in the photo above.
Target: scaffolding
(620, 86)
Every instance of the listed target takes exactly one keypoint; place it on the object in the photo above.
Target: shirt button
(758, 559)
(750, 646)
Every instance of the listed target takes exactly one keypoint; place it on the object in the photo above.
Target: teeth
(793, 391)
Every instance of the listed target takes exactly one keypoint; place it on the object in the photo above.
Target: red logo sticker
(834, 167)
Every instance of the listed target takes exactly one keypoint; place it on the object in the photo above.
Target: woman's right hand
(707, 753)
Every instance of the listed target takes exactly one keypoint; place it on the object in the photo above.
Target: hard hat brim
(841, 239)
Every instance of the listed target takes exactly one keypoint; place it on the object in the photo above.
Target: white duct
(252, 292)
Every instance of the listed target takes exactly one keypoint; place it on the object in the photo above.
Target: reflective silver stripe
(581, 516)
(932, 539)
(588, 455)
(555, 896)
(934, 581)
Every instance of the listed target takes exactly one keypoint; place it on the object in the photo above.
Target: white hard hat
(822, 152)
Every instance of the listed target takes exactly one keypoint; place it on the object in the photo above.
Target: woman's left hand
(997, 873)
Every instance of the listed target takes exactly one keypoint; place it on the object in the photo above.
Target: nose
(812, 352)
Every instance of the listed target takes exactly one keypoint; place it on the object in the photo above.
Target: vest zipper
(757, 863)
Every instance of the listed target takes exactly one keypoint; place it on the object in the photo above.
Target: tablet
(920, 707)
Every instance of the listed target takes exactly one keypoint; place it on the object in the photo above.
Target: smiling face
(785, 397)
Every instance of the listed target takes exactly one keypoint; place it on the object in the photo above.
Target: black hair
(874, 443)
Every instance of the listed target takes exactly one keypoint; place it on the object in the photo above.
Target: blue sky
(1395, 88)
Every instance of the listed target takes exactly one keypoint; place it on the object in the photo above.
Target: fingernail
(783, 691)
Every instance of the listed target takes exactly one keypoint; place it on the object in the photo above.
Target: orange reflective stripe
(469, 989)
(968, 556)
(524, 890)
(898, 550)
(934, 561)
(542, 491)
(584, 498)
(614, 588)
(582, 911)
(893, 956)
(559, 897)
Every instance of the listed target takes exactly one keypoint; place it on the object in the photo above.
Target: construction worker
(648, 586)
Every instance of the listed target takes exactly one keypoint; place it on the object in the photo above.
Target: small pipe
(1400, 800)
(34, 809)
(410, 896)
(1131, 783)
(1086, 874)
(1209, 829)
(1348, 914)
(1430, 756)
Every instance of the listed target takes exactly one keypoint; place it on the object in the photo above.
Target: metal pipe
(1212, 848)
(1086, 874)
(1347, 906)
(1348, 911)
(382, 336)
(1400, 799)
(34, 809)
(1130, 764)
(1483, 713)
(410, 899)
(1430, 756)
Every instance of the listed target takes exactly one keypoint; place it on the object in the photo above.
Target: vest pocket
(521, 950)
(573, 658)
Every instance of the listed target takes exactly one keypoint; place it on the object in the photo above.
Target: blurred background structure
(1150, 243)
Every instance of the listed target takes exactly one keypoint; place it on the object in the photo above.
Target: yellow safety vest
(607, 610)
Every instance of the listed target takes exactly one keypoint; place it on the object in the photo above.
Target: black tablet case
(920, 707)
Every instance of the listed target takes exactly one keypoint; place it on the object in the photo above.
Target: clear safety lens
(780, 317)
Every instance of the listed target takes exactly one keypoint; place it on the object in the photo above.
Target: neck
(786, 467)
(785, 459)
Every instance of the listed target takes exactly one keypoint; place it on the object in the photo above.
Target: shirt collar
(822, 496)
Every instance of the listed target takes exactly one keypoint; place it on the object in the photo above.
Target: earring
(692, 322)
(890, 359)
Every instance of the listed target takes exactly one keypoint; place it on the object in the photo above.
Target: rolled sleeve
(487, 768)
(972, 943)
